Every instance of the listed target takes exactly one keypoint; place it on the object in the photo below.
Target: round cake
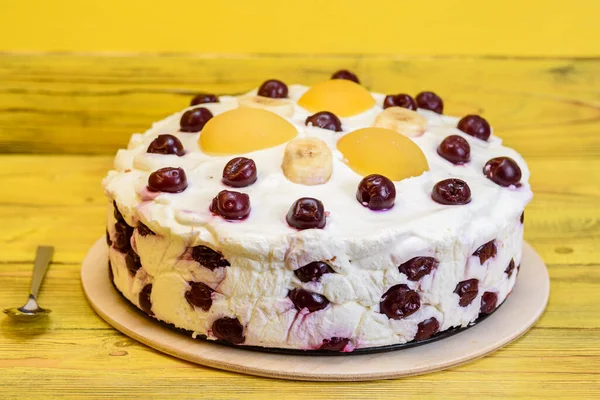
(316, 218)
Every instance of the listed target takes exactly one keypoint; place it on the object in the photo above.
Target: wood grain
(73, 104)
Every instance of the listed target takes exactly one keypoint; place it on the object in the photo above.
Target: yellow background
(431, 27)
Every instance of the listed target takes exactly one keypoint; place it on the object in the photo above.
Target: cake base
(518, 313)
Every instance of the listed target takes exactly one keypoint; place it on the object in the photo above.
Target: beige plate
(518, 313)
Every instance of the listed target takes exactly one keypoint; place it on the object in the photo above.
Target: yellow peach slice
(342, 97)
(382, 151)
(243, 130)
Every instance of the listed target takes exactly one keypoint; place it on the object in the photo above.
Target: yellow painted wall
(415, 27)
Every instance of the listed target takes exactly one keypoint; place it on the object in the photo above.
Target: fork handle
(42, 261)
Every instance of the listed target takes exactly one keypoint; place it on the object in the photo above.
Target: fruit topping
(132, 261)
(144, 299)
(194, 120)
(376, 192)
(342, 97)
(324, 120)
(467, 291)
(311, 301)
(209, 258)
(199, 295)
(427, 329)
(382, 151)
(281, 107)
(503, 171)
(511, 268)
(231, 205)
(400, 100)
(430, 101)
(274, 89)
(345, 74)
(488, 302)
(202, 98)
(451, 191)
(407, 122)
(228, 329)
(486, 251)
(166, 144)
(170, 180)
(399, 302)
(239, 172)
(455, 149)
(334, 344)
(418, 267)
(306, 213)
(307, 161)
(475, 126)
(312, 272)
(123, 234)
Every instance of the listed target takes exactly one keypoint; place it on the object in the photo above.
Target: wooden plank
(76, 103)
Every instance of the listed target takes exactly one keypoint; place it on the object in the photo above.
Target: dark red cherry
(202, 98)
(334, 344)
(313, 272)
(486, 251)
(231, 205)
(170, 180)
(199, 295)
(166, 144)
(400, 100)
(228, 329)
(455, 149)
(144, 230)
(488, 302)
(132, 261)
(239, 172)
(309, 300)
(376, 192)
(345, 74)
(108, 241)
(475, 126)
(451, 191)
(123, 234)
(427, 329)
(194, 120)
(306, 213)
(399, 302)
(209, 258)
(467, 291)
(430, 101)
(523, 217)
(325, 120)
(144, 299)
(503, 170)
(418, 267)
(511, 268)
(274, 89)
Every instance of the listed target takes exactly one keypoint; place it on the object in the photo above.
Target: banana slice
(402, 120)
(282, 107)
(307, 161)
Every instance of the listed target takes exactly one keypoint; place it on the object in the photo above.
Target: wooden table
(63, 116)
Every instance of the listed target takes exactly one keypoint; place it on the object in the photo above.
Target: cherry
(309, 300)
(399, 302)
(108, 241)
(486, 251)
(427, 329)
(400, 100)
(418, 267)
(488, 302)
(239, 172)
(170, 180)
(451, 191)
(199, 295)
(455, 149)
(228, 329)
(334, 344)
(166, 144)
(144, 299)
(132, 261)
(325, 120)
(522, 219)
(231, 205)
(144, 230)
(502, 170)
(117, 213)
(511, 268)
(209, 258)
(345, 74)
(194, 120)
(274, 89)
(123, 234)
(202, 98)
(475, 126)
(376, 192)
(430, 101)
(467, 291)
(312, 272)
(306, 213)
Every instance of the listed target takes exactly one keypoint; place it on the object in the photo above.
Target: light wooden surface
(465, 27)
(516, 316)
(79, 109)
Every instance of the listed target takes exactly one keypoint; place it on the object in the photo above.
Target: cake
(316, 218)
